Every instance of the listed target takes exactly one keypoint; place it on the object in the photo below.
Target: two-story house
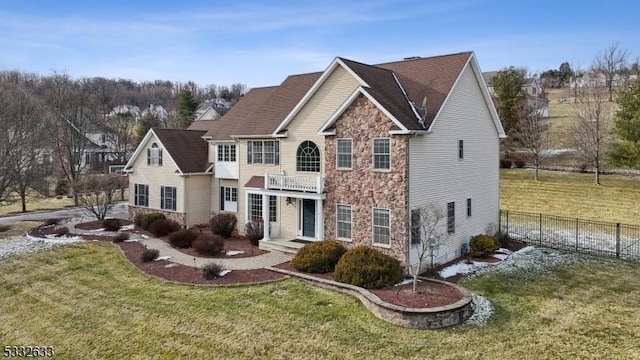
(349, 153)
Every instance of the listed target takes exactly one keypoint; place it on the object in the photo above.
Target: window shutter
(249, 152)
(222, 198)
(277, 151)
(148, 156)
(160, 157)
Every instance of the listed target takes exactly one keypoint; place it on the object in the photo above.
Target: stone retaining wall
(171, 215)
(414, 318)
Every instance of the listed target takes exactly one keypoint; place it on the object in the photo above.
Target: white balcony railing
(305, 183)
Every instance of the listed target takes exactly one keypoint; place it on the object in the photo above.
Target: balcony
(303, 183)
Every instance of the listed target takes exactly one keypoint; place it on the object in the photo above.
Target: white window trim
(219, 154)
(163, 198)
(246, 207)
(373, 226)
(373, 154)
(276, 154)
(337, 157)
(350, 222)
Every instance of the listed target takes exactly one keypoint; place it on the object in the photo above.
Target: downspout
(184, 200)
(407, 206)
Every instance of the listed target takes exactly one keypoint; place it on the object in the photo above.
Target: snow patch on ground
(27, 244)
(224, 272)
(163, 258)
(404, 282)
(482, 311)
(97, 230)
(234, 252)
(132, 240)
(463, 267)
(127, 227)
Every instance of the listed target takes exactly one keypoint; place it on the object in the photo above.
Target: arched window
(308, 157)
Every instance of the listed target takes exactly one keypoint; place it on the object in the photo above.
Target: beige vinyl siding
(156, 176)
(212, 152)
(437, 176)
(305, 125)
(197, 199)
(288, 219)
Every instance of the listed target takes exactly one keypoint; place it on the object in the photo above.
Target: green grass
(571, 194)
(19, 228)
(88, 302)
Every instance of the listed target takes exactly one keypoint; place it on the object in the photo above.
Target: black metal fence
(595, 237)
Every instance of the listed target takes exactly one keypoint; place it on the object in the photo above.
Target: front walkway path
(243, 263)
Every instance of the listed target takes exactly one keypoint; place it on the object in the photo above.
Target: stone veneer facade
(171, 215)
(364, 188)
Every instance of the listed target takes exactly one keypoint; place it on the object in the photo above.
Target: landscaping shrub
(149, 255)
(4, 228)
(111, 224)
(482, 245)
(318, 257)
(211, 271)
(208, 244)
(163, 227)
(368, 268)
(61, 231)
(182, 238)
(49, 222)
(505, 163)
(59, 197)
(519, 163)
(149, 219)
(223, 224)
(137, 220)
(254, 231)
(121, 237)
(62, 188)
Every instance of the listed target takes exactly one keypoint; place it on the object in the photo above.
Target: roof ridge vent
(412, 58)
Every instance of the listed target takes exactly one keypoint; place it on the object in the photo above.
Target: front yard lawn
(88, 302)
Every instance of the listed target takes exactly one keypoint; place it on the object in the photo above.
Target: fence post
(540, 229)
(577, 232)
(618, 240)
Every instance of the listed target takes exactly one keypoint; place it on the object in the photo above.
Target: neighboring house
(127, 110)
(158, 111)
(344, 154)
(532, 89)
(212, 109)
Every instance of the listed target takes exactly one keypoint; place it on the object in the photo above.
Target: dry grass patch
(19, 228)
(572, 195)
(88, 302)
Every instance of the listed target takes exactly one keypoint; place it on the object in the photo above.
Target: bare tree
(96, 193)
(427, 234)
(533, 137)
(26, 139)
(611, 61)
(591, 136)
(69, 104)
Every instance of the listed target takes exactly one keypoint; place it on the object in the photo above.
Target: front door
(308, 218)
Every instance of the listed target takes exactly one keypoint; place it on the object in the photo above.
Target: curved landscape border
(414, 318)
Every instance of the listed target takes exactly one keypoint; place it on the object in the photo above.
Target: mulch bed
(429, 294)
(190, 275)
(234, 243)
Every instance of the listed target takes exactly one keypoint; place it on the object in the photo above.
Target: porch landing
(286, 246)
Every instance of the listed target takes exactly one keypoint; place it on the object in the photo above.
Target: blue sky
(259, 43)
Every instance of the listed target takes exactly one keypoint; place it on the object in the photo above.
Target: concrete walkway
(243, 263)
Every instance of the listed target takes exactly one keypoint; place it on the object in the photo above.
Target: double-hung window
(469, 207)
(344, 155)
(343, 221)
(168, 198)
(381, 154)
(451, 217)
(226, 153)
(141, 194)
(154, 155)
(416, 229)
(229, 199)
(381, 227)
(263, 152)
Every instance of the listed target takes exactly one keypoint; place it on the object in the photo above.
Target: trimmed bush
(318, 257)
(149, 255)
(182, 238)
(254, 231)
(211, 271)
(61, 231)
(121, 237)
(505, 163)
(482, 245)
(368, 268)
(163, 227)
(137, 220)
(111, 224)
(49, 222)
(223, 224)
(5, 228)
(208, 244)
(149, 219)
(519, 163)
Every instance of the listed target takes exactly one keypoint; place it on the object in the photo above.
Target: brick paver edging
(414, 318)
